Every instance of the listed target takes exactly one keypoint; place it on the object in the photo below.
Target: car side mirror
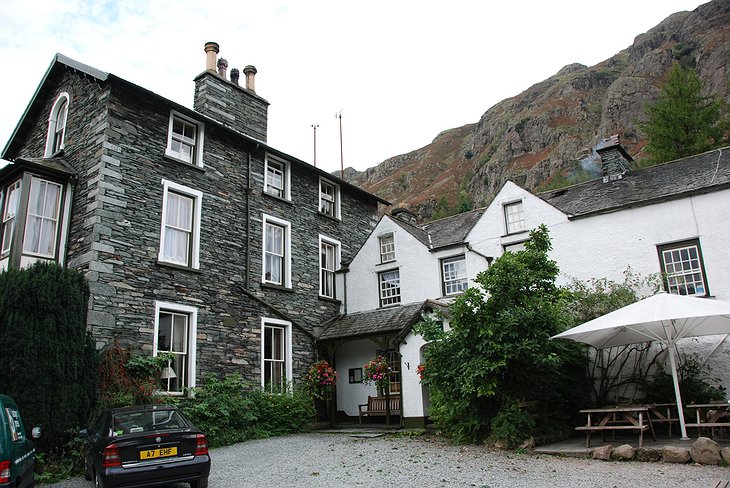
(36, 432)
(84, 433)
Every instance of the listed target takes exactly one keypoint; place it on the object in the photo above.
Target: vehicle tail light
(111, 457)
(201, 445)
(4, 471)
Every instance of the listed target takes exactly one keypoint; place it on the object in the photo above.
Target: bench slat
(376, 407)
(613, 427)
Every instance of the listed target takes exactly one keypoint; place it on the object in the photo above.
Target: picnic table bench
(710, 416)
(375, 407)
(617, 418)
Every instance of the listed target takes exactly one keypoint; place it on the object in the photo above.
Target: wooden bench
(604, 428)
(375, 407)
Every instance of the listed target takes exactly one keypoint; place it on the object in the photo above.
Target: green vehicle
(17, 454)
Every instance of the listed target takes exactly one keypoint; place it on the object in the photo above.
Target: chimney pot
(234, 76)
(211, 50)
(222, 67)
(250, 73)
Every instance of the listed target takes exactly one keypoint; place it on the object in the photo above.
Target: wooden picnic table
(710, 416)
(664, 413)
(630, 417)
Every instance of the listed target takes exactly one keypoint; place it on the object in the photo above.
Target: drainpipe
(248, 221)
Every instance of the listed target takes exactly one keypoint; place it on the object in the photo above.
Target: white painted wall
(605, 245)
(420, 272)
(353, 354)
(412, 390)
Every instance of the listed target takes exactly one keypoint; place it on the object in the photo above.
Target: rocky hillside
(544, 135)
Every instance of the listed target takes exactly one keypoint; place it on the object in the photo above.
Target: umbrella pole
(675, 378)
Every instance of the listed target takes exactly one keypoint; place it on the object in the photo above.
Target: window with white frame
(276, 252)
(175, 332)
(276, 177)
(453, 275)
(185, 140)
(180, 234)
(275, 354)
(11, 199)
(514, 217)
(387, 248)
(55, 139)
(683, 269)
(515, 246)
(329, 258)
(41, 224)
(329, 198)
(389, 287)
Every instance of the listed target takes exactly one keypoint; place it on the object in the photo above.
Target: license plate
(157, 453)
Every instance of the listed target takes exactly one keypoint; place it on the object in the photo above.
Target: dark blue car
(147, 445)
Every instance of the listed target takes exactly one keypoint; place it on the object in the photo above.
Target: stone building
(197, 237)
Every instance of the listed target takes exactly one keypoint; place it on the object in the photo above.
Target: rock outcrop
(544, 135)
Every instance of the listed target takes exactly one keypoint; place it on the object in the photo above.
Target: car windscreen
(146, 421)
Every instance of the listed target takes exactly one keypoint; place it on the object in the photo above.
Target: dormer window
(185, 140)
(57, 125)
(514, 217)
(329, 198)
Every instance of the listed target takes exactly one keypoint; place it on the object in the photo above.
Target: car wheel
(201, 483)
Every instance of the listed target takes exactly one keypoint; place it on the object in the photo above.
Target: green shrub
(693, 387)
(512, 425)
(229, 411)
(47, 353)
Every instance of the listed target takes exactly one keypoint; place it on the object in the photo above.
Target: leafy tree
(498, 351)
(442, 209)
(682, 121)
(463, 202)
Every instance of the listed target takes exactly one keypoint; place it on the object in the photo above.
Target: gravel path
(339, 460)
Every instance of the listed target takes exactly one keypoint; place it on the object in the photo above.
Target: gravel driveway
(339, 460)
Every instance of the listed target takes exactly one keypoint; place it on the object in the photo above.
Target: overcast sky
(400, 71)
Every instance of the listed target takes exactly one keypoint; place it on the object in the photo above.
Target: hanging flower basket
(377, 371)
(421, 370)
(322, 380)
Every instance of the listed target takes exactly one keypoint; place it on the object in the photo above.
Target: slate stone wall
(116, 141)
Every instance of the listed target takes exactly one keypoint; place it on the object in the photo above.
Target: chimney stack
(250, 73)
(230, 104)
(211, 51)
(615, 161)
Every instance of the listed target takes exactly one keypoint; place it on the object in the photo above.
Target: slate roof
(444, 232)
(702, 173)
(61, 62)
(56, 166)
(391, 320)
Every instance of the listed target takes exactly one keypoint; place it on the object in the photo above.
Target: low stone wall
(703, 451)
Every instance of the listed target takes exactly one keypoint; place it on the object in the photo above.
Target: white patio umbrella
(663, 317)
